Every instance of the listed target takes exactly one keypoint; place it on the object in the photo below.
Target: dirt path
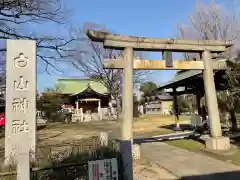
(148, 170)
(188, 165)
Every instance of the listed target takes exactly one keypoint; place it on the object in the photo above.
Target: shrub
(70, 163)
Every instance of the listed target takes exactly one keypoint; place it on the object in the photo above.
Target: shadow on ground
(184, 127)
(202, 130)
(141, 140)
(42, 126)
(236, 141)
(215, 176)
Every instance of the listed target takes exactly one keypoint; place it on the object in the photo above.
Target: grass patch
(161, 131)
(188, 144)
(156, 117)
(153, 125)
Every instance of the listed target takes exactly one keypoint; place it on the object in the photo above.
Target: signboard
(106, 169)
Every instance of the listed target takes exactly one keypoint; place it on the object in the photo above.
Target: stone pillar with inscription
(20, 96)
(23, 159)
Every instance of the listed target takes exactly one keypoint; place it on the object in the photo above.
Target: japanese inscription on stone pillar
(20, 96)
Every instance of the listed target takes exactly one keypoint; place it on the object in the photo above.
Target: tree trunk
(233, 120)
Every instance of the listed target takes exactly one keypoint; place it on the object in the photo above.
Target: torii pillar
(127, 120)
(217, 142)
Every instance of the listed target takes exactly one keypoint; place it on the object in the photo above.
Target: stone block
(126, 153)
(136, 151)
(218, 143)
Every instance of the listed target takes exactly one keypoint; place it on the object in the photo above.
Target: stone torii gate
(129, 43)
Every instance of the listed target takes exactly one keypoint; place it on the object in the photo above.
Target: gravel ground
(145, 170)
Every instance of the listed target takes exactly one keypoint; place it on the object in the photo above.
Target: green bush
(238, 108)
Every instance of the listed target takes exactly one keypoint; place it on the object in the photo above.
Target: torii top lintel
(115, 41)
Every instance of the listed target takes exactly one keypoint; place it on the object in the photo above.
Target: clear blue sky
(153, 18)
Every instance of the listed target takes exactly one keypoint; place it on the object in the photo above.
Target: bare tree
(90, 63)
(16, 14)
(213, 22)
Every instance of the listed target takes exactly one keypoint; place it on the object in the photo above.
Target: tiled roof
(185, 75)
(181, 76)
(75, 86)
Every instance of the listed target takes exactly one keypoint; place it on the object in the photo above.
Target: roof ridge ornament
(89, 85)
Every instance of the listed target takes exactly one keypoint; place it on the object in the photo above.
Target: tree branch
(16, 13)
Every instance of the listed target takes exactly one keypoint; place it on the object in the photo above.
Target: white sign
(106, 169)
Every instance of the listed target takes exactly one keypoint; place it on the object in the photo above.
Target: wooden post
(167, 55)
(211, 96)
(176, 111)
(77, 105)
(99, 109)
